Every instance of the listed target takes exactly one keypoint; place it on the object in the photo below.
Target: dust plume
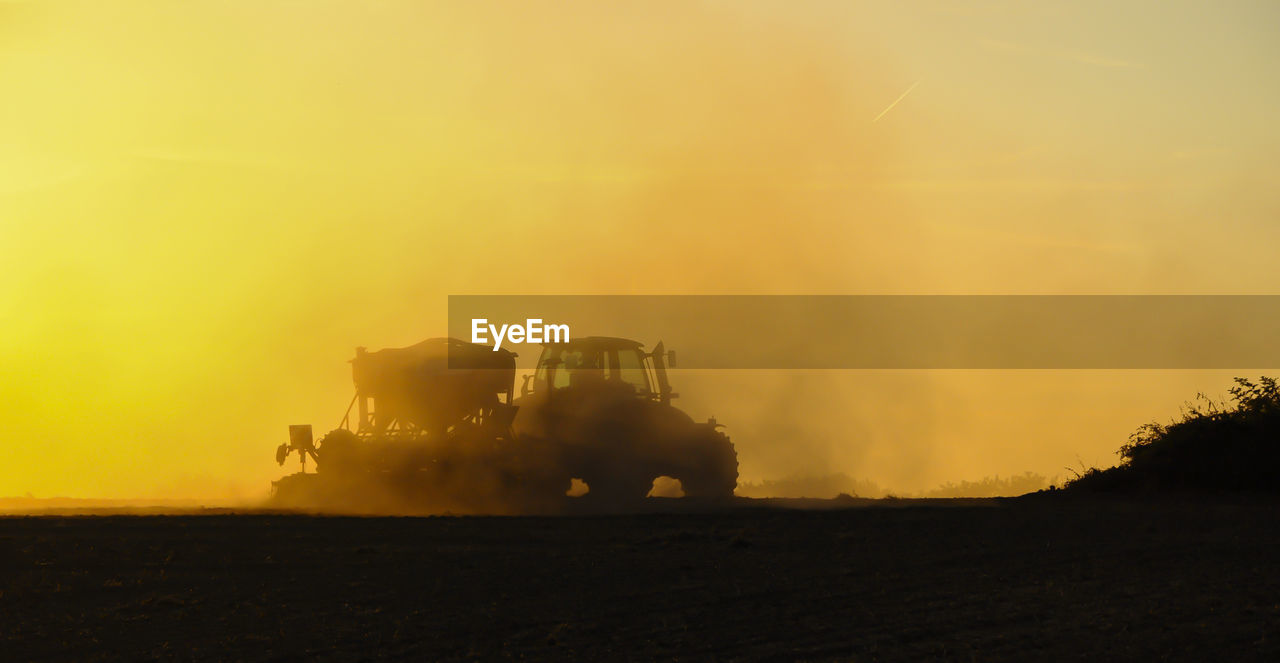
(221, 227)
(207, 206)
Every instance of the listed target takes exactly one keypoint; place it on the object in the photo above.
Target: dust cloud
(209, 206)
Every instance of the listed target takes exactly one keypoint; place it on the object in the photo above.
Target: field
(1041, 577)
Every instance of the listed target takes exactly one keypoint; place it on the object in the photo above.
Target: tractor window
(575, 366)
(544, 367)
(631, 370)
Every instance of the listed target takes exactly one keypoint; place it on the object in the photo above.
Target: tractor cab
(602, 361)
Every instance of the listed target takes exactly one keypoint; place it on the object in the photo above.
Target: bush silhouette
(993, 486)
(1216, 447)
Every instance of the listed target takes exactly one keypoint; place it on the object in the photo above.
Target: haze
(205, 206)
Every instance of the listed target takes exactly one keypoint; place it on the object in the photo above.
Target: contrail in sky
(895, 101)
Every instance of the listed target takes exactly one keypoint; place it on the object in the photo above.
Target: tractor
(436, 427)
(604, 405)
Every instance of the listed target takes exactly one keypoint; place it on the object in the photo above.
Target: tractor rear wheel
(709, 467)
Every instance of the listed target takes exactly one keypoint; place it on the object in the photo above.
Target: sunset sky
(205, 206)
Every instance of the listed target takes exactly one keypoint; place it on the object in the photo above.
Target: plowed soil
(1036, 578)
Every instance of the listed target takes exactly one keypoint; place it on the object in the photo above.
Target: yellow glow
(205, 206)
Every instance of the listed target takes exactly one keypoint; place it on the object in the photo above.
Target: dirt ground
(1029, 579)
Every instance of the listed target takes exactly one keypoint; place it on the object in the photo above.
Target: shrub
(1229, 446)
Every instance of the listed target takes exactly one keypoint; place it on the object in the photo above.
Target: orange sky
(205, 206)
